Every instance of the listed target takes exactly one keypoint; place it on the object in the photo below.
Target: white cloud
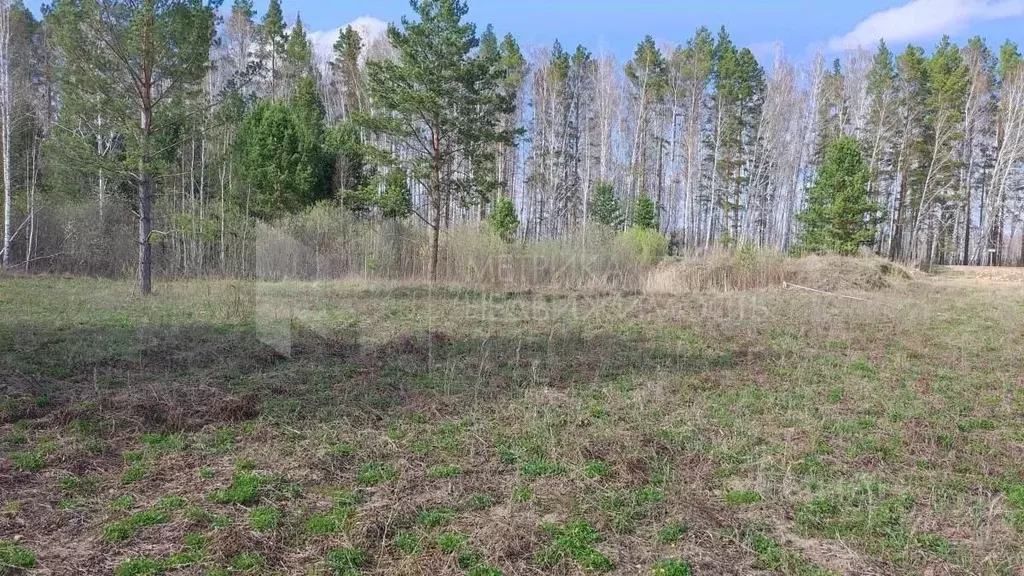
(369, 29)
(920, 19)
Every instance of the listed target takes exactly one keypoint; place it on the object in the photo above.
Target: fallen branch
(789, 285)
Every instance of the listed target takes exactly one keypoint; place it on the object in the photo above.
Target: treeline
(164, 133)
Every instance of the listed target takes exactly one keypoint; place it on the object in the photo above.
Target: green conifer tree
(839, 216)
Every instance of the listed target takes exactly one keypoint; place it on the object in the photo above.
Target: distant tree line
(200, 125)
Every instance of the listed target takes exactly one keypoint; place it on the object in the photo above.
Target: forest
(185, 138)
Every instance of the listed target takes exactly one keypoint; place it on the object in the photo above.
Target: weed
(195, 541)
(596, 469)
(123, 502)
(771, 556)
(78, 485)
(484, 570)
(935, 544)
(451, 542)
(244, 489)
(343, 449)
(574, 541)
(247, 561)
(976, 424)
(137, 471)
(244, 465)
(468, 558)
(376, 473)
(27, 461)
(264, 518)
(205, 473)
(123, 530)
(346, 561)
(14, 555)
(672, 532)
(434, 517)
(538, 468)
(408, 543)
(671, 567)
(163, 442)
(171, 503)
(742, 497)
(480, 501)
(330, 522)
(445, 471)
(522, 494)
(140, 566)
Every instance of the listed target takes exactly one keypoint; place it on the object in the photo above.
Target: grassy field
(235, 428)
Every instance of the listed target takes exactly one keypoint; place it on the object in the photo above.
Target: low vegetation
(229, 427)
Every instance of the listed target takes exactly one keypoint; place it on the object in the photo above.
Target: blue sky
(801, 26)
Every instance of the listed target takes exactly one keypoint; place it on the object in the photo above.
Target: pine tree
(395, 200)
(645, 215)
(441, 101)
(274, 38)
(504, 220)
(839, 216)
(604, 207)
(346, 67)
(131, 61)
(298, 52)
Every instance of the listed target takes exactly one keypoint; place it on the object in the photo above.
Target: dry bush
(750, 270)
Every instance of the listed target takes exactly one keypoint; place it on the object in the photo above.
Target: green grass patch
(409, 543)
(742, 497)
(346, 561)
(574, 542)
(140, 566)
(123, 530)
(434, 517)
(596, 469)
(445, 471)
(264, 518)
(246, 561)
(135, 472)
(27, 461)
(539, 468)
(15, 555)
(376, 473)
(671, 567)
(452, 541)
(672, 532)
(335, 520)
(244, 489)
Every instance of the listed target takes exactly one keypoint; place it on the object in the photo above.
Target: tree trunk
(145, 207)
(5, 118)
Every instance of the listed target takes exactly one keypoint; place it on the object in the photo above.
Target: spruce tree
(604, 207)
(645, 215)
(839, 217)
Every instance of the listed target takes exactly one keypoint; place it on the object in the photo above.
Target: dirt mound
(744, 270)
(837, 273)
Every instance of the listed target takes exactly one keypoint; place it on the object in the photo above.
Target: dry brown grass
(897, 417)
(748, 270)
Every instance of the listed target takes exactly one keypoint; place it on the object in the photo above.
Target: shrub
(504, 220)
(646, 245)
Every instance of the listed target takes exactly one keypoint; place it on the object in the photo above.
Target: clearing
(226, 427)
